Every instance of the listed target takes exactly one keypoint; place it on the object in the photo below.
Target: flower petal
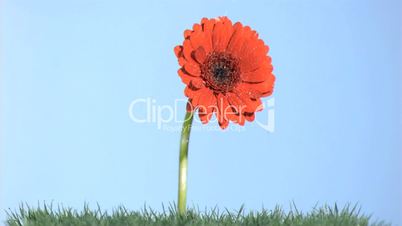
(197, 83)
(230, 112)
(185, 78)
(194, 94)
(253, 56)
(201, 39)
(241, 35)
(220, 114)
(197, 27)
(258, 75)
(192, 68)
(236, 40)
(187, 33)
(207, 106)
(235, 102)
(199, 55)
(221, 35)
(262, 87)
(251, 104)
(178, 50)
(182, 61)
(187, 50)
(208, 24)
(250, 116)
(238, 107)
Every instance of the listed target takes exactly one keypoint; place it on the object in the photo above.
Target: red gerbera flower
(226, 70)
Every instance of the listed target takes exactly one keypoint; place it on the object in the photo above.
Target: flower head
(226, 70)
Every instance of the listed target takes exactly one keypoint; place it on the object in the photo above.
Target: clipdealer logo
(166, 116)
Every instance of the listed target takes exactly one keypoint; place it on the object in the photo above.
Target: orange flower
(226, 70)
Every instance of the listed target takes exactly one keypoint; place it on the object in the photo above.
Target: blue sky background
(69, 70)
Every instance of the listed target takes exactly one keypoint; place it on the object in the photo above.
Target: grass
(48, 215)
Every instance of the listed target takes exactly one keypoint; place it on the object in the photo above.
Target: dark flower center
(220, 71)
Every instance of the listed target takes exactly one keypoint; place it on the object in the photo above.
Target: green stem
(183, 162)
